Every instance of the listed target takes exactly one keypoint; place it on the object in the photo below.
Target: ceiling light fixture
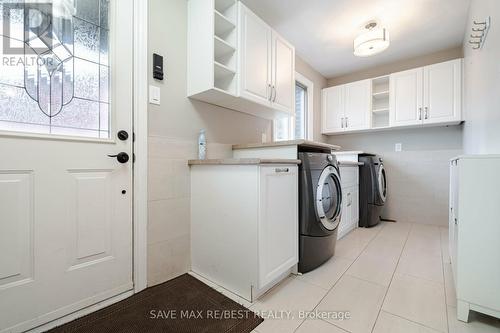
(374, 40)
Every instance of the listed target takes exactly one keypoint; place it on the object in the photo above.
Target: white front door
(65, 206)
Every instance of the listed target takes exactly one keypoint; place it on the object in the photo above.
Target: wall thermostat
(157, 66)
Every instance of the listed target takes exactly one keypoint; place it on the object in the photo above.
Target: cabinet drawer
(349, 176)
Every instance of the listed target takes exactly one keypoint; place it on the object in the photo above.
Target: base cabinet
(349, 179)
(474, 228)
(244, 225)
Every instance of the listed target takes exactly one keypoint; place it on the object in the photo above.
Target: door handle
(121, 157)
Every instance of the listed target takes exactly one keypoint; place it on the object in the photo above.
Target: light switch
(398, 147)
(154, 95)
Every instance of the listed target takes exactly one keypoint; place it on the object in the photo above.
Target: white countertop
(345, 152)
(305, 143)
(243, 161)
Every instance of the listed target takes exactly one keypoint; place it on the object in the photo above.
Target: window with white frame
(300, 125)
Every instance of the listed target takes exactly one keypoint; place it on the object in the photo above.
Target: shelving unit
(380, 102)
(225, 45)
(213, 60)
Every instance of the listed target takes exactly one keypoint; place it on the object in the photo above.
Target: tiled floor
(394, 278)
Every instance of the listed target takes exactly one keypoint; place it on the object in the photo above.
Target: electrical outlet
(398, 147)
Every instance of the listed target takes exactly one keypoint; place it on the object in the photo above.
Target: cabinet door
(357, 105)
(355, 207)
(453, 217)
(283, 74)
(345, 219)
(405, 98)
(332, 109)
(443, 92)
(278, 222)
(255, 57)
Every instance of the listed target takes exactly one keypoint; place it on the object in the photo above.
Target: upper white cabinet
(443, 92)
(406, 97)
(357, 105)
(283, 74)
(427, 95)
(255, 49)
(347, 107)
(267, 64)
(332, 109)
(235, 60)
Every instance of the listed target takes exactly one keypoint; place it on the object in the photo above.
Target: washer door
(329, 198)
(382, 183)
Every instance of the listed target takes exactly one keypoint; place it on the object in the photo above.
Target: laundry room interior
(250, 166)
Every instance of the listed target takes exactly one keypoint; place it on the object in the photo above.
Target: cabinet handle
(281, 170)
(342, 122)
(270, 92)
(426, 113)
(419, 113)
(274, 98)
(346, 122)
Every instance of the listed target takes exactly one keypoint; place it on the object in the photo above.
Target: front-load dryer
(320, 202)
(372, 189)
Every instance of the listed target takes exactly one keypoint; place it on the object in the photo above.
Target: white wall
(417, 177)
(173, 131)
(482, 83)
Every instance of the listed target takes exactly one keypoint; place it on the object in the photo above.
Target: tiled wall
(418, 183)
(168, 205)
(418, 176)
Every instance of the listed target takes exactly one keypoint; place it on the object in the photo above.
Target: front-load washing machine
(372, 189)
(320, 202)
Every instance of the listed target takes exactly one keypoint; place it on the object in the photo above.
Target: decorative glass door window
(54, 71)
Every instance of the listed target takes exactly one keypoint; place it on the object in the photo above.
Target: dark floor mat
(181, 305)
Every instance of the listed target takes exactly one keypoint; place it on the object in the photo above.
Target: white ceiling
(323, 30)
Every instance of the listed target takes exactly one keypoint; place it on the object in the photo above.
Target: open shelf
(223, 5)
(381, 94)
(380, 119)
(222, 48)
(223, 26)
(221, 70)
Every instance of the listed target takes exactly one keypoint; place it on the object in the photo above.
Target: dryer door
(329, 198)
(382, 183)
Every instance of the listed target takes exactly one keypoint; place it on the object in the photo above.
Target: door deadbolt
(122, 135)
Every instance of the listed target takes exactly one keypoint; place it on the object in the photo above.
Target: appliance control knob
(329, 158)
